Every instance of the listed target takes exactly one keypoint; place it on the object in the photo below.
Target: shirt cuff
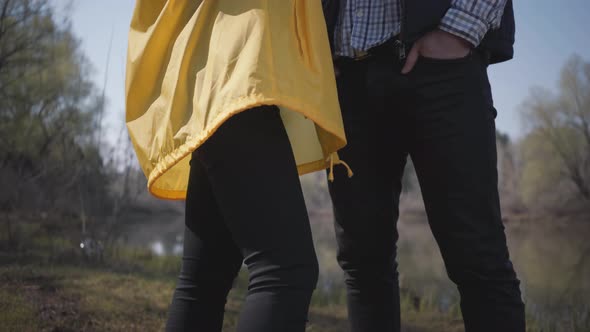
(465, 25)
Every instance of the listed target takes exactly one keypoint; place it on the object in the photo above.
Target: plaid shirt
(363, 24)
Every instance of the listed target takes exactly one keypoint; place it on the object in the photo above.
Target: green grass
(47, 285)
(16, 313)
(74, 298)
(68, 298)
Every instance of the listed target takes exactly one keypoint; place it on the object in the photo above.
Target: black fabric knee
(255, 194)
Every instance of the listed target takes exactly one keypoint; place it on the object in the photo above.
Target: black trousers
(441, 115)
(245, 205)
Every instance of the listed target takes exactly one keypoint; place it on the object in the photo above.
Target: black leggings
(245, 205)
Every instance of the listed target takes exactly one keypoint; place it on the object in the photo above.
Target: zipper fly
(402, 9)
(399, 43)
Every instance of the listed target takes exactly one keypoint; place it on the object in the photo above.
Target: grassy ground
(85, 298)
(47, 285)
(70, 298)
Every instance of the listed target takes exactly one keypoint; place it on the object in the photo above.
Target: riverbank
(49, 283)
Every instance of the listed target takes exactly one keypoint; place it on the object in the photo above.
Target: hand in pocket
(437, 44)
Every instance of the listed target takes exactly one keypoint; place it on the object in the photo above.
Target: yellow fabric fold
(191, 65)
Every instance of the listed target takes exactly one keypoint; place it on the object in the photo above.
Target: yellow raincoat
(193, 64)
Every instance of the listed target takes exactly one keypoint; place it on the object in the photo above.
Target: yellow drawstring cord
(338, 162)
(331, 173)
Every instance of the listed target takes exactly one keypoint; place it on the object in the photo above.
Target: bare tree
(560, 126)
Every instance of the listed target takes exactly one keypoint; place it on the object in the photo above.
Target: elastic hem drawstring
(337, 162)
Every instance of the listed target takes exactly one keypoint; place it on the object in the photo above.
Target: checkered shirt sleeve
(471, 19)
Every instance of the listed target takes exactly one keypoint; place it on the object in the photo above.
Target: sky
(548, 33)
